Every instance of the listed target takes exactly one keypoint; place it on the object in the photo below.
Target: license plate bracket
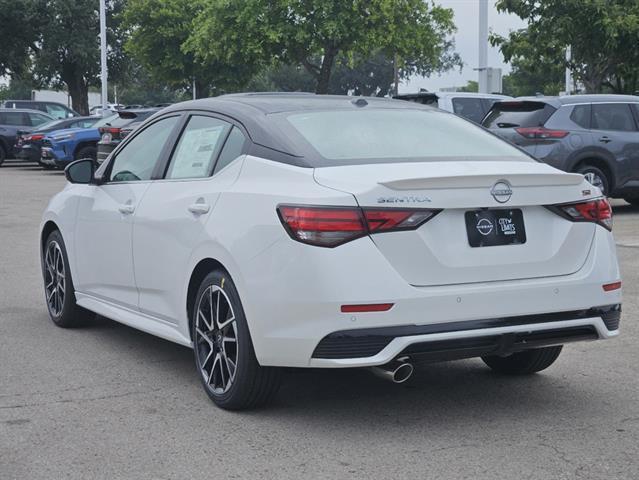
(495, 227)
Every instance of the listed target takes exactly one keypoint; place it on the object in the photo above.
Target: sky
(467, 22)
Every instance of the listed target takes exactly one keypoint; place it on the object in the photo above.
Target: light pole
(483, 46)
(103, 56)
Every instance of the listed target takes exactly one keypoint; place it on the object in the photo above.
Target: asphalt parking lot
(107, 401)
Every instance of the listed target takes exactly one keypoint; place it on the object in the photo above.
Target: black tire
(69, 314)
(3, 154)
(524, 363)
(88, 151)
(601, 179)
(251, 385)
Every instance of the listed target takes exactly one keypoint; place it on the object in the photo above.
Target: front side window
(36, 119)
(612, 116)
(57, 111)
(470, 108)
(397, 135)
(138, 158)
(198, 147)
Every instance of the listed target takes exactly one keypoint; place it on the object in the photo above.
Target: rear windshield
(518, 114)
(388, 135)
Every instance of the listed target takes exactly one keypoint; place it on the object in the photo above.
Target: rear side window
(581, 116)
(19, 119)
(518, 114)
(613, 116)
(198, 147)
(470, 108)
(232, 149)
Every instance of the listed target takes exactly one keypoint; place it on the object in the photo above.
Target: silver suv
(597, 135)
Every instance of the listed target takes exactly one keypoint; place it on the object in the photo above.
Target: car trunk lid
(439, 252)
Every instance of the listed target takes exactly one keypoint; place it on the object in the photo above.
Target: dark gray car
(13, 120)
(597, 135)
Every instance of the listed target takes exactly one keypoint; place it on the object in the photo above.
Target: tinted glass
(470, 108)
(138, 158)
(108, 120)
(198, 147)
(366, 135)
(15, 118)
(56, 111)
(612, 116)
(518, 114)
(36, 119)
(82, 124)
(52, 124)
(581, 116)
(232, 149)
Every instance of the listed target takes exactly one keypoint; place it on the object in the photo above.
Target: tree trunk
(201, 90)
(79, 92)
(324, 77)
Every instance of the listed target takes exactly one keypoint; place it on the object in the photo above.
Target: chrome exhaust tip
(397, 371)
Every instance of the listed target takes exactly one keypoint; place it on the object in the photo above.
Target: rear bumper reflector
(373, 307)
(612, 286)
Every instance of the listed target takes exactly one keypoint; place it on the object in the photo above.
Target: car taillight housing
(109, 133)
(597, 211)
(540, 133)
(34, 137)
(333, 226)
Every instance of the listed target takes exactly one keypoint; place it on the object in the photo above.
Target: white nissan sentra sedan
(295, 230)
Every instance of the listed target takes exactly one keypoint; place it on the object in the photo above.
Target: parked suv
(29, 144)
(12, 121)
(597, 135)
(53, 109)
(472, 106)
(111, 135)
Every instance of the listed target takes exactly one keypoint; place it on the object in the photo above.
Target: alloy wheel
(54, 278)
(216, 343)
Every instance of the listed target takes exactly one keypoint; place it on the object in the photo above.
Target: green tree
(371, 77)
(536, 68)
(159, 30)
(257, 33)
(603, 36)
(472, 86)
(59, 45)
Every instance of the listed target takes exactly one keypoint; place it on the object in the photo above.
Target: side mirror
(80, 171)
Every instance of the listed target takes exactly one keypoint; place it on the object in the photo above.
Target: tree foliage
(360, 76)
(58, 44)
(603, 34)
(257, 33)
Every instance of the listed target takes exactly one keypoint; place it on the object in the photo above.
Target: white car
(473, 106)
(296, 230)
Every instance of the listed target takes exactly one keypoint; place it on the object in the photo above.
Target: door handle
(127, 208)
(199, 208)
(605, 139)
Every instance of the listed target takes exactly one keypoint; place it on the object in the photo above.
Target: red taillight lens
(609, 287)
(34, 137)
(540, 132)
(597, 211)
(333, 226)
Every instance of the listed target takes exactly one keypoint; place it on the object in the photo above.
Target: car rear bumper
(454, 340)
(290, 321)
(49, 156)
(28, 153)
